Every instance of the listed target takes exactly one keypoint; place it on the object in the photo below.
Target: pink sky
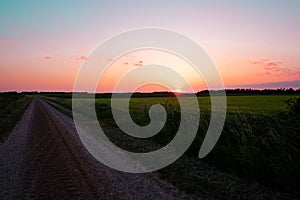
(43, 45)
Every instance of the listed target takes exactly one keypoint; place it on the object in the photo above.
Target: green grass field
(12, 107)
(260, 104)
(259, 141)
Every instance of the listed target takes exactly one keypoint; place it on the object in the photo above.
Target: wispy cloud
(78, 58)
(48, 57)
(140, 63)
(285, 84)
(266, 63)
(137, 64)
(57, 56)
(274, 68)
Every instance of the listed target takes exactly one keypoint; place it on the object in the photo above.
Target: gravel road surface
(43, 158)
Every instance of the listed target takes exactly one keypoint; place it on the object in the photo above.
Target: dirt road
(43, 158)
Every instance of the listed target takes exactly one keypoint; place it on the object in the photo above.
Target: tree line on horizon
(229, 92)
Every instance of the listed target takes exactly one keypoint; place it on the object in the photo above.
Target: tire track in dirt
(43, 158)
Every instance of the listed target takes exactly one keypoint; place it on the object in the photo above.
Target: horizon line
(149, 92)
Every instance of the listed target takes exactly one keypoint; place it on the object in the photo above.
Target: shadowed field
(259, 142)
(12, 107)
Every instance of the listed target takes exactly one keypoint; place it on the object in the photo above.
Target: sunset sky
(252, 43)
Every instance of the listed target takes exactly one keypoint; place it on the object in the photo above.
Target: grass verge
(12, 107)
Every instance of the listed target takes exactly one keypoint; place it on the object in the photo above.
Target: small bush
(293, 106)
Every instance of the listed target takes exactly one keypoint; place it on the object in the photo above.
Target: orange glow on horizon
(235, 71)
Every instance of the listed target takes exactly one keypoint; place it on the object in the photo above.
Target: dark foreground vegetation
(264, 148)
(12, 107)
(261, 148)
(257, 147)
